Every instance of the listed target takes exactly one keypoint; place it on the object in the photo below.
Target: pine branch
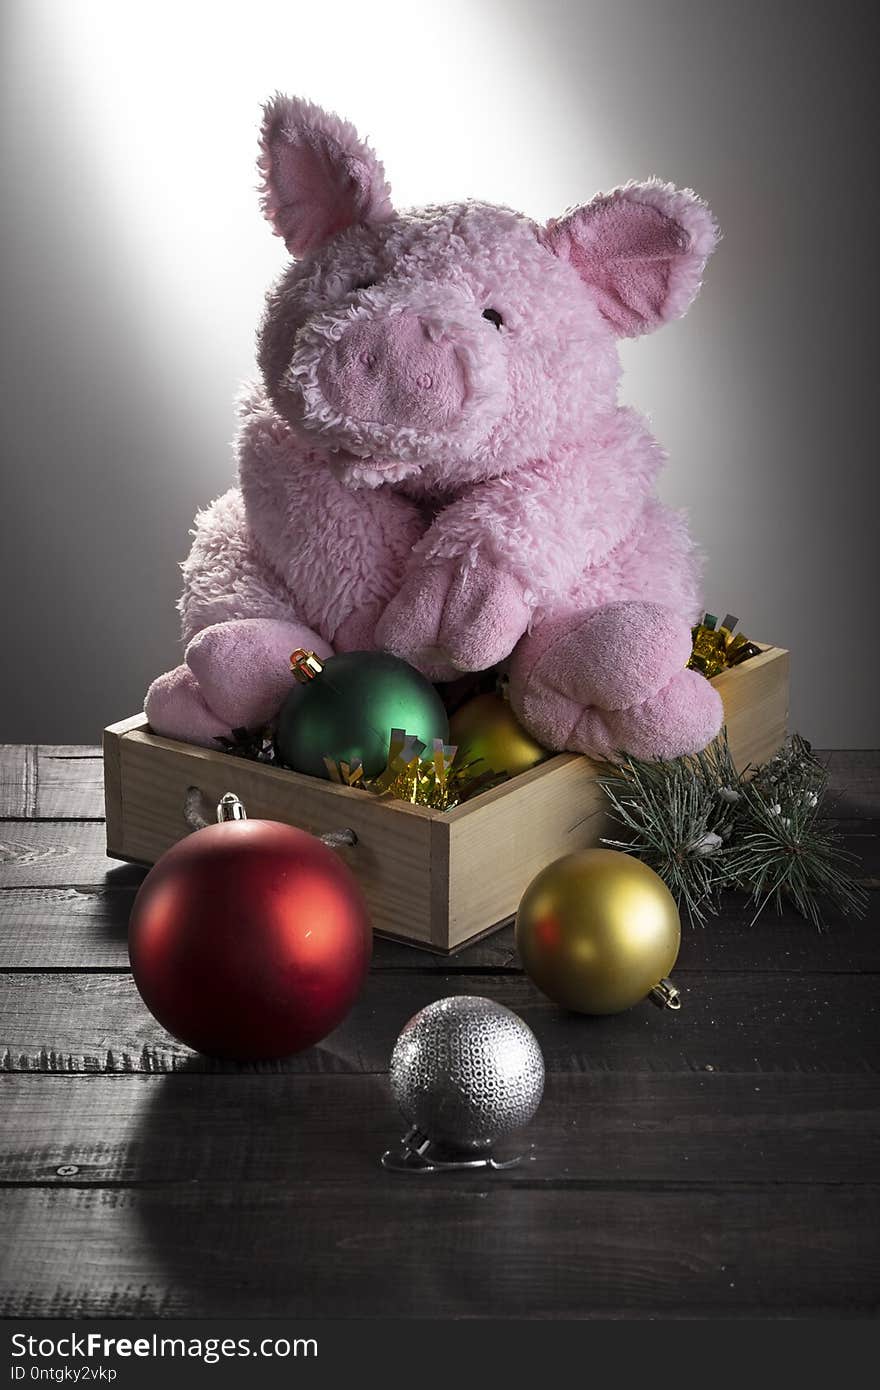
(787, 848)
(672, 812)
(704, 827)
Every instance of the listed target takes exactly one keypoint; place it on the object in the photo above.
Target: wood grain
(80, 928)
(446, 1249)
(755, 697)
(854, 783)
(50, 783)
(18, 780)
(498, 846)
(730, 1022)
(55, 854)
(718, 1163)
(697, 1128)
(392, 858)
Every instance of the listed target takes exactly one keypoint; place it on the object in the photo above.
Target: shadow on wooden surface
(718, 1163)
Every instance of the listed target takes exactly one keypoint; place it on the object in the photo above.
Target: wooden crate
(435, 879)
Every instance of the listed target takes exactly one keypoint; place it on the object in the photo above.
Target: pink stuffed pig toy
(436, 463)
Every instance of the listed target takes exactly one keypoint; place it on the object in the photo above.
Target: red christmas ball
(249, 940)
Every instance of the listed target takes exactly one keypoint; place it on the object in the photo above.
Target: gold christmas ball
(487, 733)
(597, 931)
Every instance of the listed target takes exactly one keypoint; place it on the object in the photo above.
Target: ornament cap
(418, 1155)
(230, 808)
(665, 995)
(305, 665)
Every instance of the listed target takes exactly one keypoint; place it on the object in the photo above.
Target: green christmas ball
(346, 707)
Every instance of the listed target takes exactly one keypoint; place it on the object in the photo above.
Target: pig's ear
(318, 176)
(641, 249)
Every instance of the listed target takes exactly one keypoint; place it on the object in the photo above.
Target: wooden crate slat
(497, 847)
(755, 697)
(730, 1022)
(391, 858)
(698, 1128)
(452, 1248)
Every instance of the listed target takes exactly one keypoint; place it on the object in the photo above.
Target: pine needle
(705, 827)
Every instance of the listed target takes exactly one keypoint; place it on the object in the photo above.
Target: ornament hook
(665, 995)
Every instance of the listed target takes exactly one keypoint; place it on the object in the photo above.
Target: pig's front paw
(357, 632)
(447, 619)
(242, 667)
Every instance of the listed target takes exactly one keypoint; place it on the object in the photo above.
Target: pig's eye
(493, 316)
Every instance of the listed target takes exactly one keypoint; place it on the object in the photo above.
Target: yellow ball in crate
(597, 931)
(488, 734)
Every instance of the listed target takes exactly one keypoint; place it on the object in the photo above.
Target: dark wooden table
(720, 1162)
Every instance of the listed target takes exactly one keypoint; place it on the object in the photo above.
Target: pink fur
(641, 249)
(318, 176)
(242, 667)
(436, 461)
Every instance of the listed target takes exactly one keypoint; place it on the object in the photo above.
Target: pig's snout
(404, 383)
(394, 370)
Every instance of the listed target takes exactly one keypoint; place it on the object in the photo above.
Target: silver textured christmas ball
(466, 1071)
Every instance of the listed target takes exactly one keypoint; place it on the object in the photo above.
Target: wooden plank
(61, 854)
(699, 1128)
(755, 697)
(50, 782)
(56, 928)
(82, 928)
(113, 792)
(500, 842)
(18, 780)
(854, 783)
(451, 1247)
(71, 750)
(70, 784)
(730, 1022)
(786, 943)
(439, 887)
(58, 900)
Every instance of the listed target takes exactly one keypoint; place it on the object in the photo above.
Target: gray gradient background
(118, 386)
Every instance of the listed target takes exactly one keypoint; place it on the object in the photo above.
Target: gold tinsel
(716, 648)
(411, 776)
(431, 779)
